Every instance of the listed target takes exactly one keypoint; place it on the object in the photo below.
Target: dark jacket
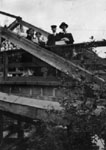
(66, 35)
(51, 39)
(29, 37)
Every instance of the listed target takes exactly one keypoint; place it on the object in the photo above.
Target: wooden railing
(23, 23)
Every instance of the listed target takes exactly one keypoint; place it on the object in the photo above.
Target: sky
(84, 17)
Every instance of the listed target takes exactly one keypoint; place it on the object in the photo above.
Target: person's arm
(71, 39)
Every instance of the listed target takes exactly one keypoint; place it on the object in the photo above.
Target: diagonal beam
(8, 14)
(26, 24)
(13, 25)
(47, 111)
(49, 57)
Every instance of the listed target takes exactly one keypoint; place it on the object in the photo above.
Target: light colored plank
(32, 108)
(41, 104)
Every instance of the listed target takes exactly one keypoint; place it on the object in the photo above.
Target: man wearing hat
(52, 37)
(64, 36)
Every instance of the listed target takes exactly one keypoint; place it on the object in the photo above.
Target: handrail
(8, 14)
(24, 23)
(82, 45)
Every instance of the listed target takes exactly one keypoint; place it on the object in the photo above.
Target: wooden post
(5, 62)
(0, 39)
(1, 127)
(20, 130)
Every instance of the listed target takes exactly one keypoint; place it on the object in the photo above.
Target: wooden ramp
(47, 111)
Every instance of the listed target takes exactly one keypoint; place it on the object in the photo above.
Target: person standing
(64, 36)
(52, 37)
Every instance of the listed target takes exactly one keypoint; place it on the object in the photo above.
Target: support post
(20, 130)
(1, 127)
(0, 39)
(5, 62)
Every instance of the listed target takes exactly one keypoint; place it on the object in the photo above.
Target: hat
(63, 24)
(38, 33)
(53, 26)
(28, 31)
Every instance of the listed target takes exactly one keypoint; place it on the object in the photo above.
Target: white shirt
(41, 39)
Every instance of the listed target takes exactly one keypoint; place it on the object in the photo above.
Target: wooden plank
(26, 24)
(5, 65)
(85, 48)
(0, 40)
(13, 25)
(23, 65)
(8, 14)
(46, 111)
(30, 102)
(31, 80)
(82, 45)
(49, 57)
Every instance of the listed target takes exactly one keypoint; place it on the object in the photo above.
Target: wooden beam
(66, 66)
(47, 111)
(13, 25)
(0, 40)
(33, 80)
(20, 131)
(5, 65)
(24, 23)
(8, 14)
(31, 65)
(82, 45)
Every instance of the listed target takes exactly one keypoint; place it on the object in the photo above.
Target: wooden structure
(36, 95)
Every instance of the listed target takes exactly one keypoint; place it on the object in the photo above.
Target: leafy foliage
(85, 113)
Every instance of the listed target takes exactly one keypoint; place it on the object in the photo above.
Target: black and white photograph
(52, 74)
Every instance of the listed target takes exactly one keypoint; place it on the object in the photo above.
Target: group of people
(60, 38)
(54, 38)
(35, 37)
